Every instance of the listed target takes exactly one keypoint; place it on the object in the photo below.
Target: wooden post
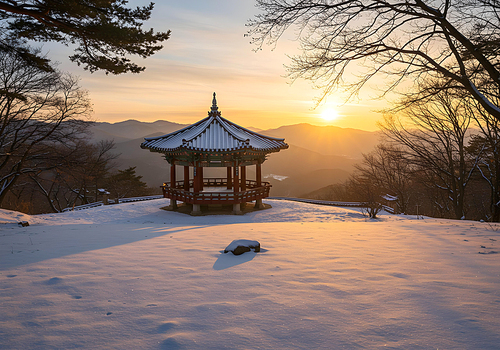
(173, 180)
(229, 178)
(258, 180)
(186, 178)
(236, 181)
(172, 174)
(243, 178)
(196, 180)
(258, 174)
(200, 171)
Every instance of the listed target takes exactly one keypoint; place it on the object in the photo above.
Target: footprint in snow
(53, 281)
(165, 327)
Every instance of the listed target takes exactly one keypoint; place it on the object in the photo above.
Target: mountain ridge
(315, 153)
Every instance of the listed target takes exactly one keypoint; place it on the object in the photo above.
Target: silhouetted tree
(106, 32)
(433, 136)
(74, 173)
(365, 189)
(126, 183)
(38, 108)
(391, 172)
(486, 147)
(455, 41)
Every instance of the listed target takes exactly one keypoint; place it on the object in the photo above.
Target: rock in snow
(240, 246)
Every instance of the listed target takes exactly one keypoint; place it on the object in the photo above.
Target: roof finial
(214, 104)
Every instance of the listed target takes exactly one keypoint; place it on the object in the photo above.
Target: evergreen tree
(126, 183)
(105, 31)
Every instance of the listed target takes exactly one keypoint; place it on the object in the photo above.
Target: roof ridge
(222, 121)
(201, 131)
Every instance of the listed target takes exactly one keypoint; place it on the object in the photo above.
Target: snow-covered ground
(133, 276)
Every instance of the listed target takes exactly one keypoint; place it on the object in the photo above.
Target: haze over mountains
(318, 156)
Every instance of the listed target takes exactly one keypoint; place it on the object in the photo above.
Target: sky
(208, 52)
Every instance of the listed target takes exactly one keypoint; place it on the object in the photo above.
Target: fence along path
(121, 200)
(331, 203)
(303, 200)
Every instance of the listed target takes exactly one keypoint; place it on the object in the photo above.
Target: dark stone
(238, 247)
(240, 250)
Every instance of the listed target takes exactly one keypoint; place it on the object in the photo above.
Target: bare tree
(74, 175)
(38, 108)
(389, 169)
(486, 147)
(366, 189)
(454, 41)
(433, 135)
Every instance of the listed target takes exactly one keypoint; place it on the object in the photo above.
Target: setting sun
(329, 114)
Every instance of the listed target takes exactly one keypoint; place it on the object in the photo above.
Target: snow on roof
(214, 134)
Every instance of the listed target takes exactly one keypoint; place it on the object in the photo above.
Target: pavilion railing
(251, 193)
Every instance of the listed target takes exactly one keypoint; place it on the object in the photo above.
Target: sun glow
(330, 114)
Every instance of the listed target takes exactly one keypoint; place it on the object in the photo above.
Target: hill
(132, 129)
(317, 157)
(328, 140)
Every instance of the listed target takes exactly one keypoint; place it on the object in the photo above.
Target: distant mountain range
(318, 156)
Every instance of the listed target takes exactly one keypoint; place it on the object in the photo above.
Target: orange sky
(208, 52)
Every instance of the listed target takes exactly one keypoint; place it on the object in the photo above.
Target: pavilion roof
(214, 134)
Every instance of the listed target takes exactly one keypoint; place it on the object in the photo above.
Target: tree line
(439, 157)
(440, 58)
(47, 161)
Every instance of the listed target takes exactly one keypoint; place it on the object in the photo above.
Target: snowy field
(132, 276)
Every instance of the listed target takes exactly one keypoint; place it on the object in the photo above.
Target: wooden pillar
(236, 181)
(186, 178)
(243, 178)
(258, 174)
(258, 180)
(200, 172)
(173, 180)
(229, 178)
(172, 174)
(196, 187)
(196, 180)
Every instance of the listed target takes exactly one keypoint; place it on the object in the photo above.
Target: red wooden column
(173, 201)
(243, 178)
(258, 180)
(200, 171)
(258, 174)
(236, 179)
(172, 174)
(196, 180)
(196, 188)
(186, 178)
(229, 178)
